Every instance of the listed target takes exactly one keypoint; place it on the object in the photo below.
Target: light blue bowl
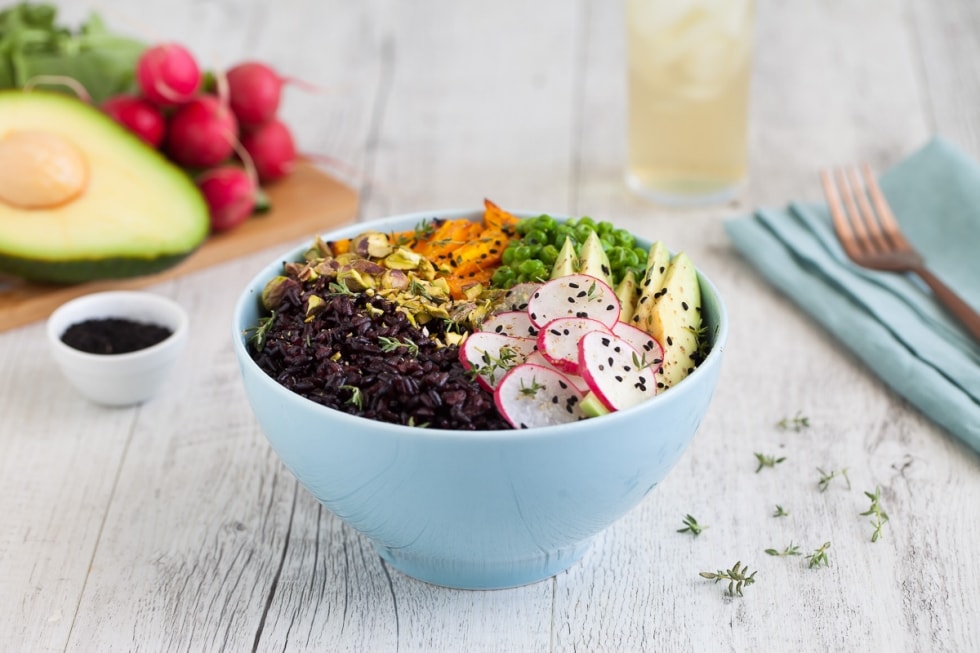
(476, 510)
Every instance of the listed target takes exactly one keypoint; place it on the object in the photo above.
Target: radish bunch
(563, 357)
(230, 140)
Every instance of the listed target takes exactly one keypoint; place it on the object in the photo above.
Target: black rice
(336, 358)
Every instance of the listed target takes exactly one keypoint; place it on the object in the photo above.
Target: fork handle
(962, 311)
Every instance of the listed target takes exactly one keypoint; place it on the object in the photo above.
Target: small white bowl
(118, 379)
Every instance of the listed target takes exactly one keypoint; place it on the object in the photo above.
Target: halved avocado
(81, 198)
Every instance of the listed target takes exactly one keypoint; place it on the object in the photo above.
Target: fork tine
(841, 224)
(867, 216)
(888, 222)
(852, 213)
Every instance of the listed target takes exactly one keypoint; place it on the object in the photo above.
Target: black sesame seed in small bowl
(117, 348)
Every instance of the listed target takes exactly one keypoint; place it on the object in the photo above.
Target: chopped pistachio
(373, 244)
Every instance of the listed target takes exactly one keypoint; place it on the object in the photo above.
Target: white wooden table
(173, 526)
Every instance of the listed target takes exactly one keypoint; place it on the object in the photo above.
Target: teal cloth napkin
(891, 321)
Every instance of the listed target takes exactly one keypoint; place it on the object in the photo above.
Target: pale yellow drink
(689, 67)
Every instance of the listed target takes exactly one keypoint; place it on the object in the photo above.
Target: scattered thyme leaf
(735, 576)
(791, 550)
(356, 396)
(879, 516)
(507, 358)
(530, 390)
(692, 526)
(796, 423)
(389, 344)
(819, 556)
(257, 334)
(767, 461)
(340, 288)
(827, 477)
(780, 511)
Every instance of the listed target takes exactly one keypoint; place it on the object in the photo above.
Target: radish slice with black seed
(615, 371)
(558, 340)
(533, 395)
(574, 295)
(491, 355)
(510, 323)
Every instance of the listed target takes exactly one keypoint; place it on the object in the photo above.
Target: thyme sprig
(879, 516)
(791, 550)
(389, 344)
(506, 358)
(736, 577)
(257, 334)
(827, 477)
(780, 511)
(691, 526)
(767, 461)
(796, 423)
(819, 556)
(530, 390)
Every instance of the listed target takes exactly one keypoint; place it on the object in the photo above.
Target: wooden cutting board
(305, 203)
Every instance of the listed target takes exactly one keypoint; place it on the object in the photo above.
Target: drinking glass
(690, 65)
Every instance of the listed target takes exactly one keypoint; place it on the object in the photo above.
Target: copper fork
(871, 237)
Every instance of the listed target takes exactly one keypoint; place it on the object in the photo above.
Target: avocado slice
(658, 260)
(593, 259)
(81, 198)
(675, 320)
(566, 262)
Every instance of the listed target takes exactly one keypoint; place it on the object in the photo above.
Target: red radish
(254, 92)
(167, 74)
(272, 150)
(558, 340)
(201, 133)
(230, 194)
(138, 116)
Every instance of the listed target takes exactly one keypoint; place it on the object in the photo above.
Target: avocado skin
(83, 270)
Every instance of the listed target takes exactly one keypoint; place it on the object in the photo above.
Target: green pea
(545, 223)
(616, 257)
(507, 258)
(503, 277)
(624, 238)
(536, 237)
(522, 252)
(630, 259)
(548, 255)
(582, 232)
(560, 233)
(533, 269)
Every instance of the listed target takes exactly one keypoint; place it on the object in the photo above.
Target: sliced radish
(574, 295)
(615, 371)
(511, 323)
(532, 395)
(538, 358)
(558, 340)
(491, 355)
(651, 351)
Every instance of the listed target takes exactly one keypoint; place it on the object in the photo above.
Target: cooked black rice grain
(336, 359)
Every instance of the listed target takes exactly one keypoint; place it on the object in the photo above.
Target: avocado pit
(40, 170)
